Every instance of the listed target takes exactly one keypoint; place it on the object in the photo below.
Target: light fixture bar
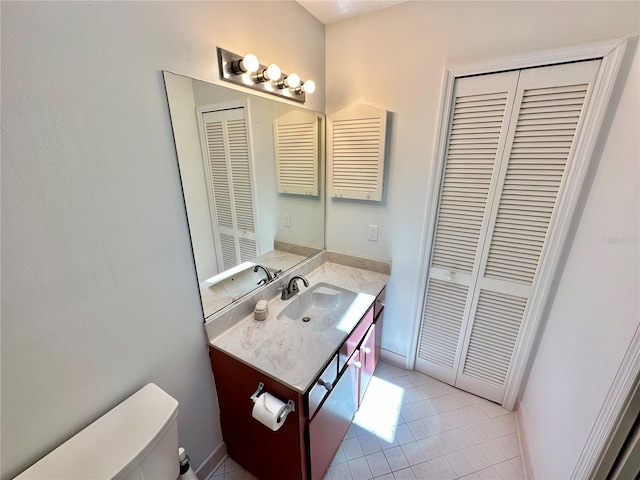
(229, 66)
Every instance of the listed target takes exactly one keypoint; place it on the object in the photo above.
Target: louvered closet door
(547, 114)
(230, 186)
(477, 135)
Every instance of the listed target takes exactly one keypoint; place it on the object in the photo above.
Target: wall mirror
(252, 172)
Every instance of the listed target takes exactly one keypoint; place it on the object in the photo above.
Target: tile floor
(411, 426)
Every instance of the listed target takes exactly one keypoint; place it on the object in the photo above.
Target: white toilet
(138, 439)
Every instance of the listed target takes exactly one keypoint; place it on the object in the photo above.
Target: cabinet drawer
(378, 305)
(351, 343)
(325, 383)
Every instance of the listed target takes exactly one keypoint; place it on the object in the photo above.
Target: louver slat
(296, 151)
(356, 152)
(493, 336)
(443, 313)
(535, 170)
(467, 178)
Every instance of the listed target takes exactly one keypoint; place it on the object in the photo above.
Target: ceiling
(332, 11)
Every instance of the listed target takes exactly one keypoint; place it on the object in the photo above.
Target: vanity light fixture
(248, 72)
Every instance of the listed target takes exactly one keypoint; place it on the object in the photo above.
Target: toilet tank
(138, 439)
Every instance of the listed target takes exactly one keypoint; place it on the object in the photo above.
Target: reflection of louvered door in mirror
(296, 137)
(228, 167)
(509, 150)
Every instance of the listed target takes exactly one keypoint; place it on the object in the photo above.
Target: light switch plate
(286, 220)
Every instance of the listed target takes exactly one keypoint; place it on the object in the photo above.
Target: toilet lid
(115, 443)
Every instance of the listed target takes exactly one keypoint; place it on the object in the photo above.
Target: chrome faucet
(269, 278)
(290, 290)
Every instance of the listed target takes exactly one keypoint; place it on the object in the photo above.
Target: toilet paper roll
(266, 409)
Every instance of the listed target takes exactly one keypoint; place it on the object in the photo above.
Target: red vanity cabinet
(305, 445)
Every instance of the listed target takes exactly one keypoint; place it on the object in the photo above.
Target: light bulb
(309, 86)
(273, 72)
(293, 81)
(250, 63)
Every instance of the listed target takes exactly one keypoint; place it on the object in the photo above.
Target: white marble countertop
(294, 352)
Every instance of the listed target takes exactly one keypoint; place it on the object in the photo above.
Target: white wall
(394, 59)
(99, 292)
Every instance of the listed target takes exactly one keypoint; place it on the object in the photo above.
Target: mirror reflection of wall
(226, 146)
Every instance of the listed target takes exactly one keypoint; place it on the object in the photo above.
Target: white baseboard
(525, 456)
(393, 358)
(212, 462)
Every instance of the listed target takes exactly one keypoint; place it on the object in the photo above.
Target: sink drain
(306, 319)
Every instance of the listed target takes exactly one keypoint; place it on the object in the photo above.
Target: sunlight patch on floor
(380, 409)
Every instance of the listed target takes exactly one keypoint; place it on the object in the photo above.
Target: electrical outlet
(286, 220)
(372, 233)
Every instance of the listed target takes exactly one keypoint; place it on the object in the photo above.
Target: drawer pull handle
(358, 364)
(327, 385)
(382, 303)
(367, 350)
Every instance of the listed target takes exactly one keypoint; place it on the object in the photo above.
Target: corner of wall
(525, 455)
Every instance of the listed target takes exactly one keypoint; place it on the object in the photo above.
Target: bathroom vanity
(323, 367)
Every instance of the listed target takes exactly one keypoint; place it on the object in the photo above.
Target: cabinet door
(332, 420)
(270, 455)
(367, 361)
(351, 343)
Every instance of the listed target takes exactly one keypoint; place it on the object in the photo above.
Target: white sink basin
(320, 306)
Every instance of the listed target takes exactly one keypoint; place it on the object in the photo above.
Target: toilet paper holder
(289, 407)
